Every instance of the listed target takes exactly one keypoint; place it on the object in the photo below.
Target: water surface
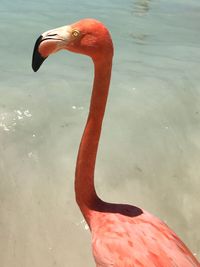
(150, 146)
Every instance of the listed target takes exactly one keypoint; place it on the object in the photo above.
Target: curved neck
(86, 196)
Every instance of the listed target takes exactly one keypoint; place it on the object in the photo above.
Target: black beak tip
(37, 59)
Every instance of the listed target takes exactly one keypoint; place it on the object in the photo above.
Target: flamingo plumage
(122, 235)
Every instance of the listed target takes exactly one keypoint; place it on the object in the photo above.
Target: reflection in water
(141, 7)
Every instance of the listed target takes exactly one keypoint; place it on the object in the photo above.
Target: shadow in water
(140, 7)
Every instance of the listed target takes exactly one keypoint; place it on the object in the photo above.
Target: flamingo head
(88, 36)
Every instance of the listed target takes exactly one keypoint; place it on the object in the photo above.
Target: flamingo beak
(37, 58)
(49, 43)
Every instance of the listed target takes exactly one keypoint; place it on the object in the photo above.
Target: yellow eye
(75, 33)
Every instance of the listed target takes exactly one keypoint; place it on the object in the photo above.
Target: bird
(122, 235)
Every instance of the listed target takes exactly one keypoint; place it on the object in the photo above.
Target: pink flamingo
(122, 235)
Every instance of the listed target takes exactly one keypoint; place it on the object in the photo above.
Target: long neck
(86, 196)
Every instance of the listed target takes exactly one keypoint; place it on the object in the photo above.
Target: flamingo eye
(75, 33)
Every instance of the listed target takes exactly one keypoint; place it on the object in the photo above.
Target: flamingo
(122, 235)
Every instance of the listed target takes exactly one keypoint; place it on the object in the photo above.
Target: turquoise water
(150, 146)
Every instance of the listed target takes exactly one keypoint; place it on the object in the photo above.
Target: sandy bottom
(150, 146)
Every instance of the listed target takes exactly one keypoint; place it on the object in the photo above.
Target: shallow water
(150, 146)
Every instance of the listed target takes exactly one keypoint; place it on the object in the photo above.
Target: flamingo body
(122, 235)
(142, 240)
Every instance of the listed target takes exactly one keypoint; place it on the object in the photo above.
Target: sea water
(150, 146)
